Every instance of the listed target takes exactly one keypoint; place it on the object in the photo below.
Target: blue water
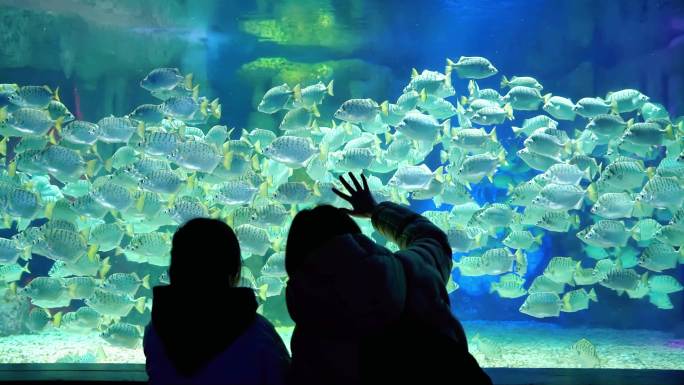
(574, 48)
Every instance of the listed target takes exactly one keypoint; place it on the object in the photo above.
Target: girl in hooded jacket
(366, 315)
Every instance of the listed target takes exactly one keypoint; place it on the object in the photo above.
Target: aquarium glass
(544, 137)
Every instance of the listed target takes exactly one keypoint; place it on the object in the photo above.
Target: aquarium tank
(546, 138)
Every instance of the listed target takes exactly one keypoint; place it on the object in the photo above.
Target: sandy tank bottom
(521, 344)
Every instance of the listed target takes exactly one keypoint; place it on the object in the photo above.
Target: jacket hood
(192, 333)
(350, 285)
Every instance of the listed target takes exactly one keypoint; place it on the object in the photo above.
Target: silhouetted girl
(364, 314)
(204, 330)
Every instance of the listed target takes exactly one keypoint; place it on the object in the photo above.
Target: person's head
(310, 229)
(205, 251)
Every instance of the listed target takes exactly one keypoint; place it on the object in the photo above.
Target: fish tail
(140, 305)
(504, 82)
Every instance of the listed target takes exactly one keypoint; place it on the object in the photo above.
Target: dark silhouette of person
(204, 330)
(365, 315)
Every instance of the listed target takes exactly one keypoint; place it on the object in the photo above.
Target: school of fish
(95, 196)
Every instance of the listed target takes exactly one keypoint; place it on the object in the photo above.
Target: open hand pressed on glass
(359, 196)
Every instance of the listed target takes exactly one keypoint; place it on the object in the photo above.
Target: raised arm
(414, 234)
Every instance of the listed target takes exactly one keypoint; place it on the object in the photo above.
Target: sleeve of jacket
(416, 235)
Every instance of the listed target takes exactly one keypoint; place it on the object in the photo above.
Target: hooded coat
(366, 315)
(211, 339)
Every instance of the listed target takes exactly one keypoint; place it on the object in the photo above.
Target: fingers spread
(365, 182)
(341, 194)
(346, 185)
(355, 181)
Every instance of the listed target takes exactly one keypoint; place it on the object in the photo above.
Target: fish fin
(228, 160)
(384, 108)
(473, 89)
(52, 137)
(215, 107)
(669, 133)
(519, 256)
(547, 97)
(492, 288)
(57, 319)
(329, 88)
(650, 172)
(92, 252)
(614, 107)
(49, 209)
(256, 165)
(422, 95)
(619, 292)
(592, 295)
(146, 281)
(3, 146)
(3, 114)
(566, 302)
(141, 129)
(592, 193)
(204, 107)
(262, 291)
(439, 174)
(187, 80)
(91, 165)
(315, 111)
(58, 125)
(85, 233)
(140, 305)
(414, 72)
(504, 82)
(195, 92)
(492, 135)
(12, 168)
(12, 287)
(501, 157)
(509, 111)
(6, 221)
(140, 203)
(323, 152)
(297, 92)
(263, 190)
(443, 156)
(215, 213)
(257, 147)
(26, 254)
(71, 289)
(575, 221)
(277, 244)
(192, 181)
(438, 201)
